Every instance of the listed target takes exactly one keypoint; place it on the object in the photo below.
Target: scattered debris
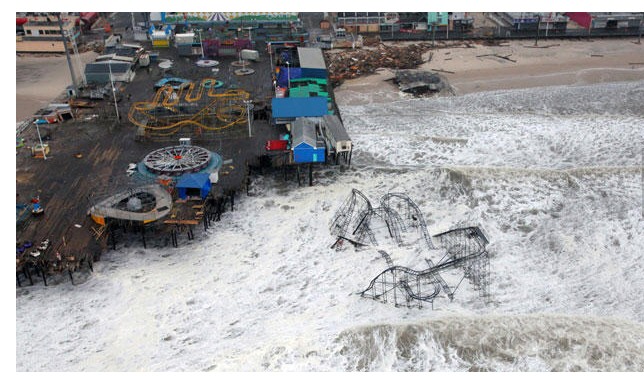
(506, 57)
(79, 103)
(165, 64)
(419, 82)
(442, 70)
(131, 169)
(546, 46)
(354, 63)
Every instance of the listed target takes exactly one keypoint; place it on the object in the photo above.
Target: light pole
(44, 154)
(288, 74)
(201, 43)
(249, 107)
(63, 35)
(118, 117)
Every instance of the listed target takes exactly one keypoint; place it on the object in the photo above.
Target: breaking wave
(496, 343)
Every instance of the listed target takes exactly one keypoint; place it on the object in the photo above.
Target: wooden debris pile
(355, 63)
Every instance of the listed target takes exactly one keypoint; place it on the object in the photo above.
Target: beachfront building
(228, 26)
(42, 33)
(403, 22)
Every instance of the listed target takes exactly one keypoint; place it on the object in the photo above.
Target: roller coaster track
(401, 276)
(413, 213)
(464, 249)
(227, 108)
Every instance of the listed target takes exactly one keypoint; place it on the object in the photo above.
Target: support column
(44, 277)
(297, 169)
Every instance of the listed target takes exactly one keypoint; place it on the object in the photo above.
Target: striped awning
(230, 16)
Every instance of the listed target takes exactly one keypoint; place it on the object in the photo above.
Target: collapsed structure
(465, 249)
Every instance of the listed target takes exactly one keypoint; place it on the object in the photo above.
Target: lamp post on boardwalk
(118, 117)
(249, 108)
(288, 73)
(201, 43)
(44, 154)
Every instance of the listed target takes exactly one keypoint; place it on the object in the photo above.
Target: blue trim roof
(299, 107)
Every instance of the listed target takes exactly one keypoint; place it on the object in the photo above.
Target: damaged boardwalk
(88, 160)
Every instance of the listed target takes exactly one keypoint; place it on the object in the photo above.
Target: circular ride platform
(177, 160)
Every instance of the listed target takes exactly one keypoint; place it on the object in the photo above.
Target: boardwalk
(89, 158)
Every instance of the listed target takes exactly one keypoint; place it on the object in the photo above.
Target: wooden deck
(89, 157)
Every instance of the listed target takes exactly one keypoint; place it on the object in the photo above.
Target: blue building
(305, 145)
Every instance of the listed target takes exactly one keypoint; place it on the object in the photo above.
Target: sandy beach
(555, 62)
(42, 78)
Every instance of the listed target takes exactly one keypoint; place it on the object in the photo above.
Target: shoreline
(554, 64)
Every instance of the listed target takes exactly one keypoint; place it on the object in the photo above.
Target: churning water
(553, 175)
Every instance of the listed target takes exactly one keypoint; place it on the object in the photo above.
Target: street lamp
(288, 73)
(118, 117)
(249, 107)
(201, 43)
(44, 154)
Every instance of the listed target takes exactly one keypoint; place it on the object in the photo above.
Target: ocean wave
(536, 342)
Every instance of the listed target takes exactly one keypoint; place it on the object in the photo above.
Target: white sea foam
(554, 176)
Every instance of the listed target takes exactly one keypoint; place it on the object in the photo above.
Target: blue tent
(193, 185)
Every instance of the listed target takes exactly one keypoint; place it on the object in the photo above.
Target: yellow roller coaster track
(228, 108)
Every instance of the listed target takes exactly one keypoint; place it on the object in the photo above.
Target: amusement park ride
(192, 109)
(356, 222)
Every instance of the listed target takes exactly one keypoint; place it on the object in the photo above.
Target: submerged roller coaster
(192, 109)
(465, 250)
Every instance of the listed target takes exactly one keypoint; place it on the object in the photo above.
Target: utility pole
(132, 14)
(69, 60)
(536, 41)
(639, 38)
(433, 33)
